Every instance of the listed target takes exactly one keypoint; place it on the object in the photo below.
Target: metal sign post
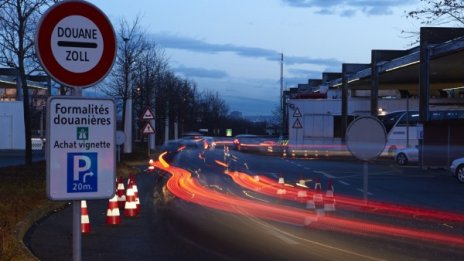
(364, 145)
(76, 45)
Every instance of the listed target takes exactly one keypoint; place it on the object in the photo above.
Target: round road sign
(366, 138)
(75, 43)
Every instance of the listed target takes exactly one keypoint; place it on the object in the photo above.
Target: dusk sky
(234, 46)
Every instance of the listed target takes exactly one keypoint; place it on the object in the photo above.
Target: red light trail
(184, 186)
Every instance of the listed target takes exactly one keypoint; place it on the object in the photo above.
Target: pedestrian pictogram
(148, 129)
(297, 112)
(297, 124)
(148, 115)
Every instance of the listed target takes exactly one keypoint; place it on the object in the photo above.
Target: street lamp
(127, 121)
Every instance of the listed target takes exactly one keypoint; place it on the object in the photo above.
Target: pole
(365, 182)
(282, 93)
(152, 136)
(128, 126)
(77, 237)
(407, 121)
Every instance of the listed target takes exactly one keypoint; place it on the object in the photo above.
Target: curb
(23, 226)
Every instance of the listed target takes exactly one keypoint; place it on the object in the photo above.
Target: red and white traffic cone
(130, 207)
(318, 198)
(329, 200)
(121, 193)
(136, 195)
(85, 221)
(112, 214)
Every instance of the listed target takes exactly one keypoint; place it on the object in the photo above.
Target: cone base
(113, 220)
(130, 212)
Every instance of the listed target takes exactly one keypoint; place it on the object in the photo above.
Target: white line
(292, 236)
(306, 168)
(283, 237)
(327, 175)
(275, 175)
(299, 165)
(362, 190)
(344, 183)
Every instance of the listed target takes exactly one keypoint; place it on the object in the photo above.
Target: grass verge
(23, 200)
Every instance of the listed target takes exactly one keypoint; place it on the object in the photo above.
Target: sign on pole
(75, 43)
(297, 124)
(297, 112)
(81, 148)
(147, 115)
(148, 129)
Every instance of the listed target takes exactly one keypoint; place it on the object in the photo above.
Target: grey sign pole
(76, 228)
(77, 237)
(365, 180)
(364, 145)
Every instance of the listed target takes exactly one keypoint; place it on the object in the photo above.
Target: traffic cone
(318, 198)
(121, 193)
(112, 214)
(329, 201)
(136, 195)
(85, 221)
(130, 207)
(131, 177)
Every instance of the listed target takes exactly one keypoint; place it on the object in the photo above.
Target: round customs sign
(75, 43)
(366, 138)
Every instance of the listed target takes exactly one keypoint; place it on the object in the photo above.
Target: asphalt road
(171, 229)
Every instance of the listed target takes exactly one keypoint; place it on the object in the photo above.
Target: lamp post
(127, 121)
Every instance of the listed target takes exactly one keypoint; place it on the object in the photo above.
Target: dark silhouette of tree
(18, 21)
(132, 44)
(438, 12)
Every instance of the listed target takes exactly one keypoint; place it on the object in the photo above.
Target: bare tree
(438, 12)
(131, 46)
(18, 20)
(149, 68)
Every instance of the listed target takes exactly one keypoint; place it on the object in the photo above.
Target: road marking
(362, 190)
(282, 237)
(344, 183)
(327, 175)
(299, 165)
(306, 168)
(290, 236)
(275, 175)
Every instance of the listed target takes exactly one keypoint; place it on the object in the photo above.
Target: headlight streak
(268, 186)
(183, 186)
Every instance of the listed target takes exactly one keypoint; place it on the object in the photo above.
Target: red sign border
(151, 113)
(44, 49)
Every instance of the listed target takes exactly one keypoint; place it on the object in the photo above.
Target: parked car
(406, 155)
(457, 168)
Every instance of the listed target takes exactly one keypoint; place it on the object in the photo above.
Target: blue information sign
(82, 172)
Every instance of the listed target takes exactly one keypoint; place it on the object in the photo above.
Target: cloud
(348, 8)
(250, 106)
(170, 41)
(200, 72)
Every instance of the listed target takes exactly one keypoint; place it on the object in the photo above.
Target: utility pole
(282, 111)
(127, 120)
